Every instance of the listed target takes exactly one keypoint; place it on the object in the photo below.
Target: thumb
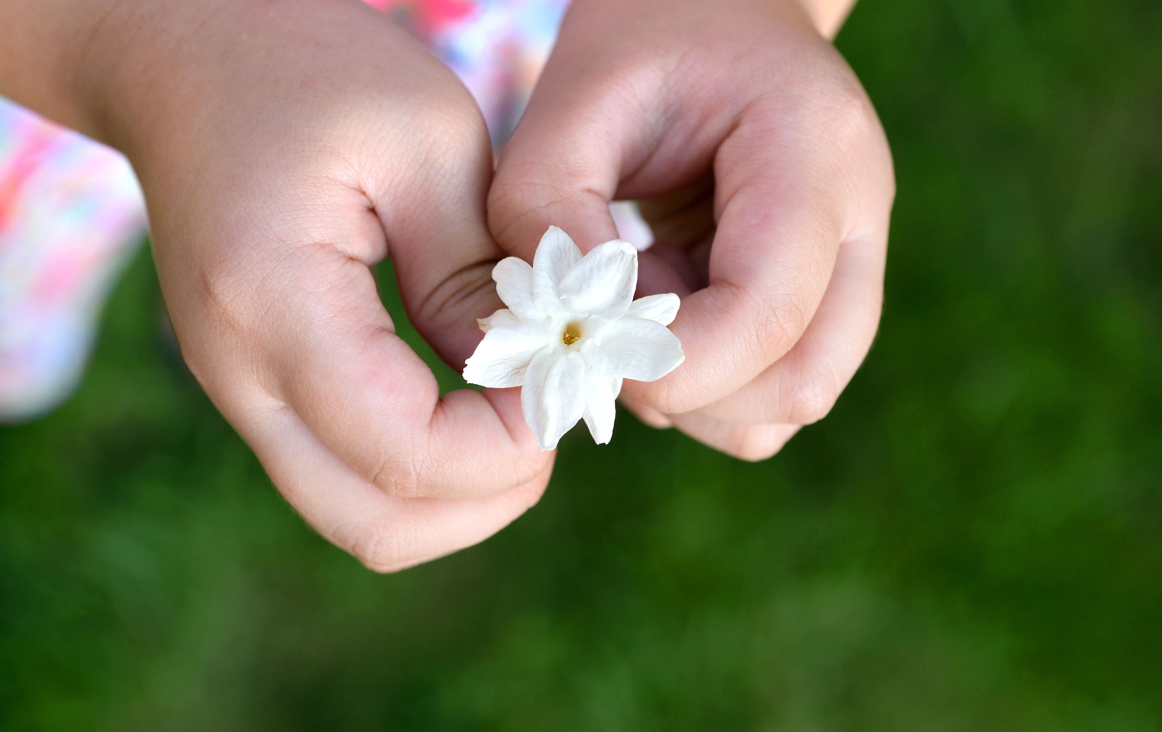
(576, 149)
(437, 234)
(560, 168)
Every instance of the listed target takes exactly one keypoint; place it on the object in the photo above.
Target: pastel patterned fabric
(496, 47)
(71, 211)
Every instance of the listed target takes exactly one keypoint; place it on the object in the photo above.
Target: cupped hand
(759, 161)
(284, 149)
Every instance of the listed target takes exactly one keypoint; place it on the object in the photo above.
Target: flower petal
(553, 395)
(658, 308)
(514, 285)
(602, 283)
(633, 348)
(503, 316)
(503, 356)
(600, 409)
(556, 255)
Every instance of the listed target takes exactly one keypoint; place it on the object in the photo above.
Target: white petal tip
(677, 362)
(469, 374)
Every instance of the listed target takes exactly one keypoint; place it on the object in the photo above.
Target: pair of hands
(286, 148)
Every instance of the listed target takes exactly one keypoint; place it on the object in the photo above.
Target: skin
(760, 163)
(286, 147)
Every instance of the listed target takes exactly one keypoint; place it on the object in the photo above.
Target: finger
(327, 347)
(794, 180)
(385, 533)
(298, 318)
(774, 247)
(648, 415)
(802, 387)
(769, 264)
(333, 356)
(437, 233)
(563, 167)
(566, 182)
(751, 442)
(782, 206)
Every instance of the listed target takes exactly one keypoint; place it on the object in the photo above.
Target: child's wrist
(62, 58)
(42, 43)
(135, 59)
(102, 67)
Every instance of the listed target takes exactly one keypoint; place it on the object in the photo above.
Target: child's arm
(284, 147)
(760, 162)
(42, 44)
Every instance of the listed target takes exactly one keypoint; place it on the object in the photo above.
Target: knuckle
(399, 476)
(240, 293)
(531, 494)
(378, 549)
(427, 475)
(777, 326)
(224, 296)
(224, 293)
(416, 472)
(243, 289)
(782, 323)
(842, 108)
(754, 444)
(773, 322)
(452, 131)
(813, 397)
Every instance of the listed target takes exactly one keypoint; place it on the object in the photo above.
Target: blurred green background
(971, 541)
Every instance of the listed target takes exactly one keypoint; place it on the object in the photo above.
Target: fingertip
(522, 206)
(729, 337)
(647, 415)
(439, 527)
(749, 442)
(507, 405)
(558, 169)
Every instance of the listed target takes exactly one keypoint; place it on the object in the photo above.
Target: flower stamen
(572, 333)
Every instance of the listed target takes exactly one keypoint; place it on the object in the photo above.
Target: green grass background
(971, 541)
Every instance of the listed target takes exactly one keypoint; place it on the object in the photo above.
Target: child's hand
(284, 148)
(762, 166)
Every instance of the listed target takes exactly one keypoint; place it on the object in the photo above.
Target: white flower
(572, 331)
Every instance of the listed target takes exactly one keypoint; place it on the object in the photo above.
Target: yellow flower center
(572, 333)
